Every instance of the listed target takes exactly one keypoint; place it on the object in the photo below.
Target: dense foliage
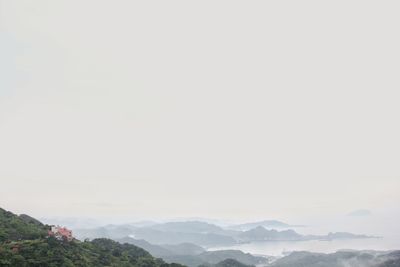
(23, 227)
(51, 252)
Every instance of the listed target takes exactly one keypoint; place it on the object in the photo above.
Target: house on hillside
(15, 248)
(61, 233)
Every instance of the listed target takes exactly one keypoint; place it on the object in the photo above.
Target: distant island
(261, 234)
(269, 224)
(360, 213)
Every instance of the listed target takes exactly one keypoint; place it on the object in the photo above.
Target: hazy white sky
(230, 109)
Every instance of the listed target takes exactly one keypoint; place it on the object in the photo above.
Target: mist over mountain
(203, 234)
(107, 231)
(261, 234)
(166, 237)
(266, 224)
(191, 227)
(155, 250)
(340, 259)
(186, 242)
(193, 255)
(74, 222)
(184, 249)
(25, 240)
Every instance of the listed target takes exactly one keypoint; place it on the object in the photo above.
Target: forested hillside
(24, 243)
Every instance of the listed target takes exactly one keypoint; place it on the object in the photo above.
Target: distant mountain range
(261, 234)
(202, 234)
(188, 227)
(204, 239)
(193, 255)
(199, 233)
(25, 242)
(107, 231)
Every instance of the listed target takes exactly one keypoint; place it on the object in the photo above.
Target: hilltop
(20, 227)
(264, 223)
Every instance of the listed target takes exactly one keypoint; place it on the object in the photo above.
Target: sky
(224, 109)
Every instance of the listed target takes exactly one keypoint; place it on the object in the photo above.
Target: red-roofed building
(61, 233)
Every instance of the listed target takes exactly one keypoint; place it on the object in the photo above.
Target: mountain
(200, 234)
(391, 259)
(109, 231)
(193, 255)
(187, 260)
(198, 227)
(24, 243)
(184, 249)
(188, 227)
(51, 252)
(360, 213)
(72, 222)
(340, 259)
(22, 227)
(344, 235)
(213, 257)
(164, 250)
(227, 263)
(155, 250)
(195, 232)
(201, 239)
(266, 224)
(261, 234)
(143, 223)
